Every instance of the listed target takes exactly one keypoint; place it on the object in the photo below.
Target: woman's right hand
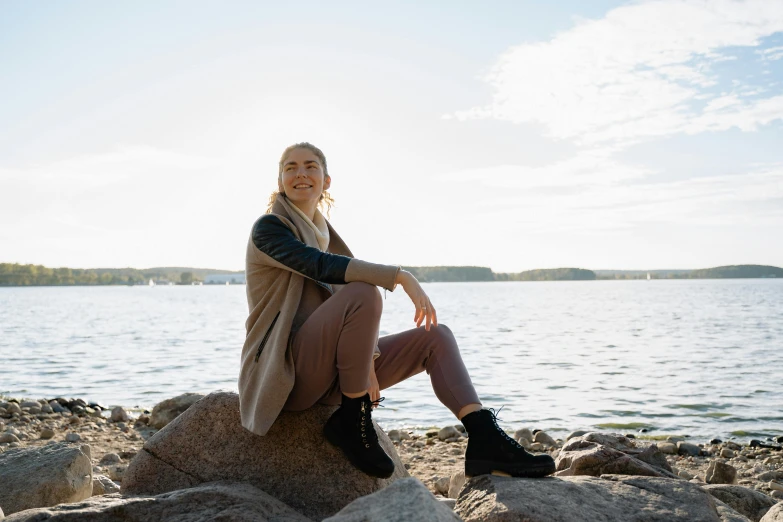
(424, 309)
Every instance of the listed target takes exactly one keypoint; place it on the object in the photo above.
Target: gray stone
(668, 448)
(720, 473)
(166, 411)
(47, 433)
(224, 501)
(73, 437)
(118, 414)
(726, 453)
(44, 476)
(766, 476)
(103, 485)
(748, 502)
(686, 448)
(110, 458)
(456, 482)
(577, 433)
(442, 485)
(614, 455)
(405, 500)
(775, 514)
(489, 498)
(293, 462)
(544, 439)
(524, 433)
(448, 432)
(8, 438)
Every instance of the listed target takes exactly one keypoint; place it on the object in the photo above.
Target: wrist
(401, 276)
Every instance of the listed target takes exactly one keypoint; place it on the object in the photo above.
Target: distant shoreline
(17, 275)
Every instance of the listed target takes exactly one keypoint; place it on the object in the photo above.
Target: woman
(312, 334)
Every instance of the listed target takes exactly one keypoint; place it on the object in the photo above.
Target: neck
(307, 207)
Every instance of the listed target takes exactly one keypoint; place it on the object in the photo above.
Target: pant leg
(410, 352)
(333, 349)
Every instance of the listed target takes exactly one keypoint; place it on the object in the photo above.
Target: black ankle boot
(491, 449)
(350, 428)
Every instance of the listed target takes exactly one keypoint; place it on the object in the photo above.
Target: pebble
(686, 448)
(524, 433)
(431, 433)
(774, 486)
(777, 495)
(442, 485)
(47, 433)
(544, 438)
(726, 453)
(8, 438)
(73, 437)
(715, 441)
(668, 448)
(448, 432)
(536, 446)
(118, 414)
(110, 458)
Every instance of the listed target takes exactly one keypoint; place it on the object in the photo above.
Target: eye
(311, 167)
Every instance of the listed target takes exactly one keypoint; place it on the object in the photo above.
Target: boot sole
(486, 467)
(334, 439)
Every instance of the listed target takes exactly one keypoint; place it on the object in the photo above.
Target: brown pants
(333, 351)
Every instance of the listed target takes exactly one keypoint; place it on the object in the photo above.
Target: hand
(375, 389)
(424, 309)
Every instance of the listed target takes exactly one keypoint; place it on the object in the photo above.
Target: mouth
(302, 186)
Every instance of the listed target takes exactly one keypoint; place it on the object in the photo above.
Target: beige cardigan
(273, 295)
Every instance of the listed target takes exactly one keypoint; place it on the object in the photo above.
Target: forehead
(301, 155)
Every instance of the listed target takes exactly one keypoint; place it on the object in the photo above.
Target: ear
(327, 182)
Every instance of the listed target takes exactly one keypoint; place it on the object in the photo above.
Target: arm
(276, 241)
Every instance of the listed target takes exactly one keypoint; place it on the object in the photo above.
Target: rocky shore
(114, 453)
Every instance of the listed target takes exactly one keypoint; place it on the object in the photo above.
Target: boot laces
(501, 430)
(369, 436)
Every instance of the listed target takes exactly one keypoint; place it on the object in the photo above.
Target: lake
(694, 357)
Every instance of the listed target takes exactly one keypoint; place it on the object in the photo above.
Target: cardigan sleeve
(274, 239)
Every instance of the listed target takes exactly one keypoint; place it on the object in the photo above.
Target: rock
(524, 433)
(448, 432)
(448, 502)
(117, 471)
(13, 408)
(489, 498)
(669, 448)
(293, 462)
(544, 439)
(720, 473)
(431, 433)
(47, 433)
(584, 456)
(776, 495)
(30, 404)
(766, 476)
(73, 437)
(748, 502)
(774, 486)
(166, 411)
(118, 414)
(110, 458)
(726, 453)
(775, 514)
(226, 501)
(686, 448)
(442, 485)
(715, 441)
(456, 482)
(44, 476)
(8, 437)
(102, 485)
(405, 500)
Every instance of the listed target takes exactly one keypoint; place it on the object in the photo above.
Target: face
(303, 178)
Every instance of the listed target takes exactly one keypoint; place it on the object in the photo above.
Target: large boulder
(749, 502)
(405, 500)
(168, 410)
(775, 514)
(236, 502)
(293, 462)
(597, 454)
(609, 498)
(44, 476)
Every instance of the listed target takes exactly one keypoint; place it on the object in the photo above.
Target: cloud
(642, 71)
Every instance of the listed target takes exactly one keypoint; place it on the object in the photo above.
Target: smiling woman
(313, 333)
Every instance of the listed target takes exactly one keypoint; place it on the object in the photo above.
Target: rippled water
(702, 358)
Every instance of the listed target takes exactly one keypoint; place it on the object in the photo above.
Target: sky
(509, 134)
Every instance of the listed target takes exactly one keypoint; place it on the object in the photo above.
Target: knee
(366, 295)
(443, 338)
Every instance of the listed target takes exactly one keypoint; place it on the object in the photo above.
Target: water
(700, 358)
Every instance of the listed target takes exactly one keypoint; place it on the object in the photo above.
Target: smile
(300, 186)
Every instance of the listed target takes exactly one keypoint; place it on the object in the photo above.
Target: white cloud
(634, 74)
(771, 54)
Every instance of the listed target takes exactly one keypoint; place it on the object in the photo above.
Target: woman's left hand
(375, 389)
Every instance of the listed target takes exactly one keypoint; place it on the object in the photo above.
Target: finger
(434, 317)
(429, 318)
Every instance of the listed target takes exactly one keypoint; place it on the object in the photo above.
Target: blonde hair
(326, 201)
